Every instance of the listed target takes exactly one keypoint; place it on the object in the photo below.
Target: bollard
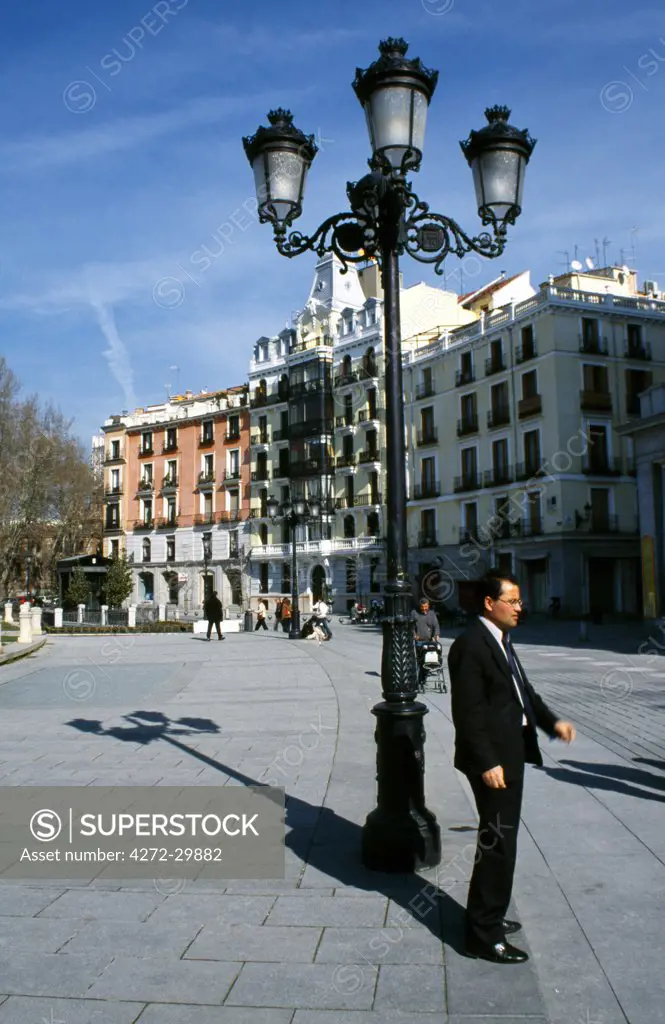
(57, 618)
(81, 613)
(25, 632)
(36, 621)
(161, 612)
(8, 612)
(104, 609)
(131, 615)
(584, 630)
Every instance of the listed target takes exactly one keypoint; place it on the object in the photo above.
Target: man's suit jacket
(487, 713)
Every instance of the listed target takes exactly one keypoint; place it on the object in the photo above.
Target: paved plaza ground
(331, 943)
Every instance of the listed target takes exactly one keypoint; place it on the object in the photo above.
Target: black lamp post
(387, 219)
(294, 513)
(207, 553)
(28, 561)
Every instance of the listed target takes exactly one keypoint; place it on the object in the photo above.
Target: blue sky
(120, 158)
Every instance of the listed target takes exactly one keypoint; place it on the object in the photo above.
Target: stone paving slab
(162, 1014)
(51, 974)
(227, 909)
(141, 939)
(310, 986)
(328, 911)
(247, 942)
(165, 980)
(116, 906)
(35, 934)
(19, 900)
(26, 1010)
(411, 987)
(380, 946)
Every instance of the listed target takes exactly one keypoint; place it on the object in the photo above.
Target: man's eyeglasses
(514, 602)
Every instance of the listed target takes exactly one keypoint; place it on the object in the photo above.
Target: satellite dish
(589, 263)
(576, 265)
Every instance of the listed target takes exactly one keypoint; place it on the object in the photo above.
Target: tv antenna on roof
(589, 263)
(576, 265)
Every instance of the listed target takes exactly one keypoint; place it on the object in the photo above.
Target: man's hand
(565, 731)
(494, 778)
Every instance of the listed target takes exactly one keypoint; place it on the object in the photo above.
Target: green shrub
(148, 627)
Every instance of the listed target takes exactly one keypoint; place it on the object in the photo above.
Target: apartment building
(318, 431)
(516, 455)
(176, 497)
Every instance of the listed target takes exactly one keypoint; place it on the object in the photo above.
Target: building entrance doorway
(318, 583)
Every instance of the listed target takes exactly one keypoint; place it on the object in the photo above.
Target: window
(264, 580)
(499, 399)
(207, 432)
(234, 426)
(374, 580)
(208, 467)
(466, 367)
(346, 366)
(234, 463)
(428, 380)
(348, 482)
(371, 443)
(233, 501)
(172, 471)
(351, 576)
(500, 460)
(114, 549)
(348, 410)
(598, 447)
(171, 440)
(146, 552)
(496, 356)
(347, 446)
(146, 586)
(427, 528)
(373, 524)
(469, 464)
(286, 578)
(371, 403)
(532, 451)
(428, 473)
(207, 507)
(427, 422)
(468, 410)
(234, 547)
(590, 332)
(170, 549)
(529, 384)
(146, 442)
(147, 510)
(147, 474)
(349, 526)
(173, 587)
(471, 518)
(170, 510)
(595, 377)
(636, 381)
(115, 449)
(112, 517)
(600, 509)
(528, 348)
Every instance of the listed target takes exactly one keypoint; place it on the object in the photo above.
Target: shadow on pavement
(651, 762)
(319, 836)
(609, 777)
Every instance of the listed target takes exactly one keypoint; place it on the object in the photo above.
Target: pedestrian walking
(286, 615)
(213, 611)
(261, 616)
(495, 714)
(278, 615)
(320, 610)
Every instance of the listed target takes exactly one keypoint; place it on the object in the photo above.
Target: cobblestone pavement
(331, 943)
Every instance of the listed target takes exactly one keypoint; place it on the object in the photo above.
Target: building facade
(515, 453)
(176, 498)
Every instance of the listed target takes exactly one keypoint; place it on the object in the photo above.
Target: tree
(119, 582)
(79, 589)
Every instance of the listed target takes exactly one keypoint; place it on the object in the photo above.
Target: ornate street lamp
(206, 541)
(387, 219)
(294, 513)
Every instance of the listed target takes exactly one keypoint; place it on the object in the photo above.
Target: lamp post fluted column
(294, 630)
(387, 219)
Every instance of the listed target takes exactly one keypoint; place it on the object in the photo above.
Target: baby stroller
(429, 659)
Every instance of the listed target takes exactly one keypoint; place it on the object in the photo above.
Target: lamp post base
(294, 632)
(401, 834)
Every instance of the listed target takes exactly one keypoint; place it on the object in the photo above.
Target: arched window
(346, 365)
(146, 586)
(283, 386)
(349, 526)
(369, 363)
(146, 550)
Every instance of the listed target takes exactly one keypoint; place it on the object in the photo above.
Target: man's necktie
(526, 700)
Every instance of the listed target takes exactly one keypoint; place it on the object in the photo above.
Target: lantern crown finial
(494, 114)
(280, 118)
(392, 45)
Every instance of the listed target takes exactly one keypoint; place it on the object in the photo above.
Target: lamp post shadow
(320, 837)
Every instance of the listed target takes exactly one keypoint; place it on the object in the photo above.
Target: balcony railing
(206, 440)
(426, 489)
(263, 438)
(601, 465)
(346, 378)
(638, 351)
(499, 416)
(309, 467)
(146, 450)
(467, 425)
(593, 346)
(531, 406)
(347, 420)
(494, 366)
(369, 415)
(309, 387)
(232, 435)
(344, 461)
(206, 477)
(310, 428)
(281, 435)
(525, 352)
(112, 527)
(600, 401)
(526, 470)
(234, 515)
(361, 500)
(369, 371)
(532, 527)
(110, 458)
(169, 483)
(282, 471)
(426, 390)
(604, 523)
(259, 475)
(144, 485)
(146, 523)
(497, 476)
(231, 476)
(167, 522)
(467, 482)
(204, 519)
(113, 492)
(463, 377)
(169, 447)
(425, 437)
(373, 455)
(260, 512)
(427, 540)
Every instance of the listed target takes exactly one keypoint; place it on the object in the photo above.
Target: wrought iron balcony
(600, 465)
(370, 415)
(525, 352)
(494, 366)
(600, 401)
(346, 378)
(311, 467)
(206, 440)
(204, 519)
(596, 346)
(309, 387)
(145, 485)
(526, 470)
(347, 420)
(112, 526)
(426, 489)
(258, 439)
(467, 482)
(258, 475)
(206, 478)
(233, 435)
(427, 540)
(531, 406)
(361, 500)
(499, 416)
(169, 483)
(638, 351)
(463, 377)
(497, 476)
(167, 522)
(110, 458)
(234, 515)
(344, 461)
(467, 425)
(231, 476)
(281, 435)
(146, 450)
(169, 447)
(113, 492)
(373, 455)
(426, 390)
(311, 428)
(281, 471)
(147, 523)
(425, 437)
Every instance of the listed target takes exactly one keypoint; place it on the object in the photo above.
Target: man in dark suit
(495, 713)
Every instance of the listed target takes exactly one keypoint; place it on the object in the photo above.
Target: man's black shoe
(510, 927)
(499, 953)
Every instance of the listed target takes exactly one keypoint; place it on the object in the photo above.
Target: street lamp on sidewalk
(387, 219)
(206, 541)
(294, 513)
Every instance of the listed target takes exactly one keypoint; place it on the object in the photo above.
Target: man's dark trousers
(492, 878)
(216, 623)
